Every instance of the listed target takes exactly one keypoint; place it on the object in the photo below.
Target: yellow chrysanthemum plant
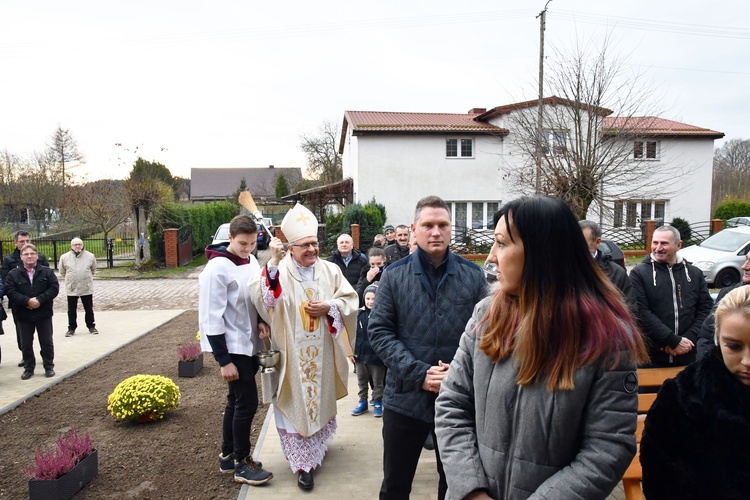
(143, 398)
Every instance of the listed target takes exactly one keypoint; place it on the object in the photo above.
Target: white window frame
(558, 139)
(629, 213)
(459, 148)
(487, 213)
(644, 153)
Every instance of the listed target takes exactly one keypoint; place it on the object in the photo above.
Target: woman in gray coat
(540, 400)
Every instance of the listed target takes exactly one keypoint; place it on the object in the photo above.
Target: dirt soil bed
(175, 458)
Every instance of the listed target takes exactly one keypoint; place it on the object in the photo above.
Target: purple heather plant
(189, 352)
(61, 458)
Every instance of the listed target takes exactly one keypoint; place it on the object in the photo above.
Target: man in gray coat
(78, 267)
(422, 306)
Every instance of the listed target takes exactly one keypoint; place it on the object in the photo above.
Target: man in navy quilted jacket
(423, 304)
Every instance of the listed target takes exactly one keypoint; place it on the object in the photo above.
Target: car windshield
(726, 241)
(222, 233)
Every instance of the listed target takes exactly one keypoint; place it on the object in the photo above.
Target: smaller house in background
(216, 184)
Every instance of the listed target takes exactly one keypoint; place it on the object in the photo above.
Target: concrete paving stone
(72, 354)
(353, 467)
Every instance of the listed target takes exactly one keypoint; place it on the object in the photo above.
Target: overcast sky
(236, 83)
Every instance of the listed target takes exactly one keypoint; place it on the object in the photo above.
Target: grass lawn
(127, 271)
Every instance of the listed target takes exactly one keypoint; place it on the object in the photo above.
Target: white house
(399, 158)
(465, 158)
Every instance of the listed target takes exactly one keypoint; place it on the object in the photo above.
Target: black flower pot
(190, 368)
(68, 485)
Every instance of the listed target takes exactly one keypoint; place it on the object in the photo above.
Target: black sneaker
(226, 463)
(250, 472)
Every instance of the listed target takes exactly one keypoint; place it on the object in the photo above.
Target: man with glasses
(312, 310)
(13, 261)
(31, 289)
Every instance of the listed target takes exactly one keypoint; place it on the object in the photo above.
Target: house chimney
(270, 166)
(477, 111)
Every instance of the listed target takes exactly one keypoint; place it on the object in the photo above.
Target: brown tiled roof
(651, 125)
(548, 101)
(218, 183)
(386, 122)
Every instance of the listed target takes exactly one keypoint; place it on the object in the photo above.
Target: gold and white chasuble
(314, 365)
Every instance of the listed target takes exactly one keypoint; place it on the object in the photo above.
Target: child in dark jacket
(370, 369)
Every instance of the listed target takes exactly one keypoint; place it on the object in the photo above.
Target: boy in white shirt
(230, 329)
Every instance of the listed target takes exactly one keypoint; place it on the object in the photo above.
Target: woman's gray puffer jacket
(521, 442)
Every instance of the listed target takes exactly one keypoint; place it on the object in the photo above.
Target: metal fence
(107, 251)
(634, 238)
(479, 241)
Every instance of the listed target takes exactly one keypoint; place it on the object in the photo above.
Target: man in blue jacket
(423, 304)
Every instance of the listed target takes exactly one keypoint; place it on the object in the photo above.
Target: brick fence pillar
(716, 225)
(170, 248)
(650, 227)
(280, 235)
(355, 235)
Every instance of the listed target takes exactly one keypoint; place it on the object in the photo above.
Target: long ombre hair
(567, 313)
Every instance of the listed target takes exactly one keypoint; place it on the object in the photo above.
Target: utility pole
(539, 129)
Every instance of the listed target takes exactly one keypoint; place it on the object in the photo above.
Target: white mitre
(299, 223)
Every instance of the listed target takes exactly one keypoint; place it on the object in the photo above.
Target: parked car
(222, 236)
(269, 224)
(264, 235)
(609, 247)
(738, 221)
(720, 256)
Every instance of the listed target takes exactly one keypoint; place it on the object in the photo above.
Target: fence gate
(185, 245)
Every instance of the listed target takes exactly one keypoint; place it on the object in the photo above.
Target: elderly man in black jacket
(349, 259)
(616, 274)
(31, 290)
(423, 303)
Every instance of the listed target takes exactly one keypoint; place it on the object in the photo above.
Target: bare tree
(323, 159)
(38, 188)
(586, 157)
(63, 151)
(10, 169)
(731, 175)
(103, 204)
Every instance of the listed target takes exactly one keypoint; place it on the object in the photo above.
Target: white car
(738, 221)
(222, 236)
(721, 256)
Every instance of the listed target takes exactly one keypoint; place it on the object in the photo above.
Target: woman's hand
(478, 495)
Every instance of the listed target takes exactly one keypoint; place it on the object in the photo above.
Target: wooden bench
(647, 377)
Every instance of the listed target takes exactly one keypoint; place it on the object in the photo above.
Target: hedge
(204, 219)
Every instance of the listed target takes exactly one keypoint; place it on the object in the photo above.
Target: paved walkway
(72, 354)
(353, 467)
